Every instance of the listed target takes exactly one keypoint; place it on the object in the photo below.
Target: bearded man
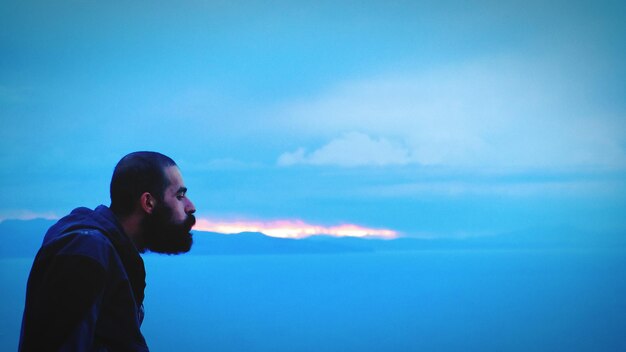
(86, 287)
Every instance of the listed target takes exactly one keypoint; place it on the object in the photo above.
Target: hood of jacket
(104, 221)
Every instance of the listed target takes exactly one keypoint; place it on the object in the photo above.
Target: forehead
(174, 178)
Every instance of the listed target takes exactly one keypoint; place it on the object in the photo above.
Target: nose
(189, 207)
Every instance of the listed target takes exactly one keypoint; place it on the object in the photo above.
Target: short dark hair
(135, 174)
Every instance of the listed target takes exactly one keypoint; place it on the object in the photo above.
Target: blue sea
(535, 300)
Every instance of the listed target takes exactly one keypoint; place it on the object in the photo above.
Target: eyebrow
(182, 190)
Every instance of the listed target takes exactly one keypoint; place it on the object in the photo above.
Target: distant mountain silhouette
(258, 243)
(22, 238)
(537, 238)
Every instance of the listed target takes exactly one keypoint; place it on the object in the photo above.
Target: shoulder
(89, 243)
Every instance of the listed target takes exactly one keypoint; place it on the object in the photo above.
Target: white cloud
(292, 158)
(351, 149)
(496, 113)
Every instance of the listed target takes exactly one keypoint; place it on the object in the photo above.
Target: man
(86, 287)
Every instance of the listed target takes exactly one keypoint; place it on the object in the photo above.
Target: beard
(164, 235)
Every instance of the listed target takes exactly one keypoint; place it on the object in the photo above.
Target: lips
(190, 221)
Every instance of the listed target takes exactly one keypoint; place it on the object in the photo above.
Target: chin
(169, 245)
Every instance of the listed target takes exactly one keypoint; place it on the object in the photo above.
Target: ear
(147, 202)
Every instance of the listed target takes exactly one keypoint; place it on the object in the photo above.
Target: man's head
(149, 186)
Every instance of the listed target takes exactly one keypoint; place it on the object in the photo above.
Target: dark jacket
(86, 288)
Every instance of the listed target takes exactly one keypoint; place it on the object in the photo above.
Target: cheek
(178, 212)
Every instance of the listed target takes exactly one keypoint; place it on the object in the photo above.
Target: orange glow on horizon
(290, 229)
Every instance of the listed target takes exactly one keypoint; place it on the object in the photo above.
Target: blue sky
(428, 118)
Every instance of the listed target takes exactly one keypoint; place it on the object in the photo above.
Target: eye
(180, 196)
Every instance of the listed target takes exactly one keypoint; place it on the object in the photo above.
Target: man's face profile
(168, 228)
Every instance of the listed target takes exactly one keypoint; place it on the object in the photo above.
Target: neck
(132, 227)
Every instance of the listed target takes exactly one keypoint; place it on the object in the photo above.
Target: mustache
(190, 221)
